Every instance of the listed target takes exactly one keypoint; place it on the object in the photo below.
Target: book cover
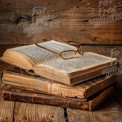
(20, 95)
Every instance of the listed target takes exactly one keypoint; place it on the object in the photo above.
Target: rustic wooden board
(25, 112)
(63, 21)
(6, 110)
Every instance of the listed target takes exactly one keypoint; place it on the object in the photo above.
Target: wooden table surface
(109, 111)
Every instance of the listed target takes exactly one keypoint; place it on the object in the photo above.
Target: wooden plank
(6, 109)
(79, 116)
(109, 111)
(25, 112)
(72, 18)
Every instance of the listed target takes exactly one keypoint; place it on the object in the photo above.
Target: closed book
(20, 95)
(50, 65)
(22, 79)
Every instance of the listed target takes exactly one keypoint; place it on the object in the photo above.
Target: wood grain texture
(37, 113)
(62, 21)
(109, 111)
(6, 108)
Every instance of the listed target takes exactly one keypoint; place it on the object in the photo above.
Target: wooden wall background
(63, 20)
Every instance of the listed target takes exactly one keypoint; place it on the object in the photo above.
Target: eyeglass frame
(78, 45)
(59, 53)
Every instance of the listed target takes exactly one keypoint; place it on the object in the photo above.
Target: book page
(57, 46)
(36, 54)
(39, 55)
(79, 62)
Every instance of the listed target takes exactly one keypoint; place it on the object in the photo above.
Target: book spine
(29, 97)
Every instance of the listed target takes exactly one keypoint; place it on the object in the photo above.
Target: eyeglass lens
(68, 54)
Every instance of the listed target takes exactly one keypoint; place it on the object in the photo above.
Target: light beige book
(50, 65)
(21, 79)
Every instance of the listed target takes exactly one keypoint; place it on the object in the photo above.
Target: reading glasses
(67, 54)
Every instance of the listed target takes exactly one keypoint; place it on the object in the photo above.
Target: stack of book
(40, 75)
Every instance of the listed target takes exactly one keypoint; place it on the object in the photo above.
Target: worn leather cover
(20, 95)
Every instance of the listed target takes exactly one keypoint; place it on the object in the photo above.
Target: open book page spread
(49, 59)
(36, 54)
(79, 62)
(39, 55)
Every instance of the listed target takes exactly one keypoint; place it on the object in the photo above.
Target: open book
(52, 66)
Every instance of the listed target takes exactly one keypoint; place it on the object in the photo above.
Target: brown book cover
(20, 95)
(19, 78)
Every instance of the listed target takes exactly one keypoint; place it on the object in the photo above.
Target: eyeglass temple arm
(45, 48)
